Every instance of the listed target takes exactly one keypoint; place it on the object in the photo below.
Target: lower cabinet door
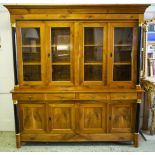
(61, 116)
(92, 116)
(121, 116)
(32, 117)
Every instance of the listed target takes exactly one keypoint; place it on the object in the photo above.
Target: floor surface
(7, 144)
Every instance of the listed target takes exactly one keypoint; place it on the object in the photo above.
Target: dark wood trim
(14, 55)
(139, 55)
(137, 118)
(16, 116)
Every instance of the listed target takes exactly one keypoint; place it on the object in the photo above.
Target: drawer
(93, 96)
(29, 97)
(60, 96)
(123, 96)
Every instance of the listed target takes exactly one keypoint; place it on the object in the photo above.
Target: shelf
(31, 63)
(30, 46)
(60, 63)
(122, 63)
(91, 45)
(93, 63)
(122, 45)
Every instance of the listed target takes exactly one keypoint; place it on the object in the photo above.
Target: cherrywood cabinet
(77, 70)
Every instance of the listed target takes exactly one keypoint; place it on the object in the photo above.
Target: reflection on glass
(30, 36)
(122, 54)
(122, 73)
(60, 44)
(60, 55)
(123, 37)
(32, 72)
(61, 73)
(31, 53)
(29, 56)
(93, 72)
(93, 54)
(93, 36)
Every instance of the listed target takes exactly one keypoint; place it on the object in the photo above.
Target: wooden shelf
(60, 63)
(122, 63)
(122, 45)
(30, 46)
(92, 45)
(93, 63)
(31, 63)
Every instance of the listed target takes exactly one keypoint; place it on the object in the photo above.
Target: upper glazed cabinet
(50, 54)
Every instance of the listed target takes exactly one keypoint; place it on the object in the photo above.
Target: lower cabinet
(77, 120)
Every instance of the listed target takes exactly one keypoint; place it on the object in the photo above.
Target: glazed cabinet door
(32, 117)
(121, 116)
(60, 53)
(92, 116)
(30, 45)
(61, 117)
(122, 56)
(93, 46)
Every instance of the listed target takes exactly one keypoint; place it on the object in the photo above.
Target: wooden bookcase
(77, 68)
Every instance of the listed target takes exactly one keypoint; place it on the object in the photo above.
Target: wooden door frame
(121, 84)
(59, 24)
(30, 24)
(81, 52)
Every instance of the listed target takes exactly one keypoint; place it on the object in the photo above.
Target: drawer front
(30, 97)
(93, 96)
(123, 96)
(60, 96)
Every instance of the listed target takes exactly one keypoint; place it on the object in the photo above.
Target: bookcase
(77, 72)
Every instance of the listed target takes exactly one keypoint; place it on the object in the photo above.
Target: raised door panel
(31, 52)
(61, 117)
(32, 118)
(92, 117)
(122, 56)
(121, 117)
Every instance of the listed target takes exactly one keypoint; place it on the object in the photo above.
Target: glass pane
(122, 44)
(93, 36)
(61, 72)
(30, 36)
(93, 54)
(32, 72)
(93, 72)
(122, 54)
(60, 55)
(31, 54)
(122, 73)
(123, 36)
(60, 44)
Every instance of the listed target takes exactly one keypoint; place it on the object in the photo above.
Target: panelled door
(61, 116)
(121, 114)
(93, 46)
(92, 116)
(31, 53)
(32, 117)
(60, 53)
(122, 54)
